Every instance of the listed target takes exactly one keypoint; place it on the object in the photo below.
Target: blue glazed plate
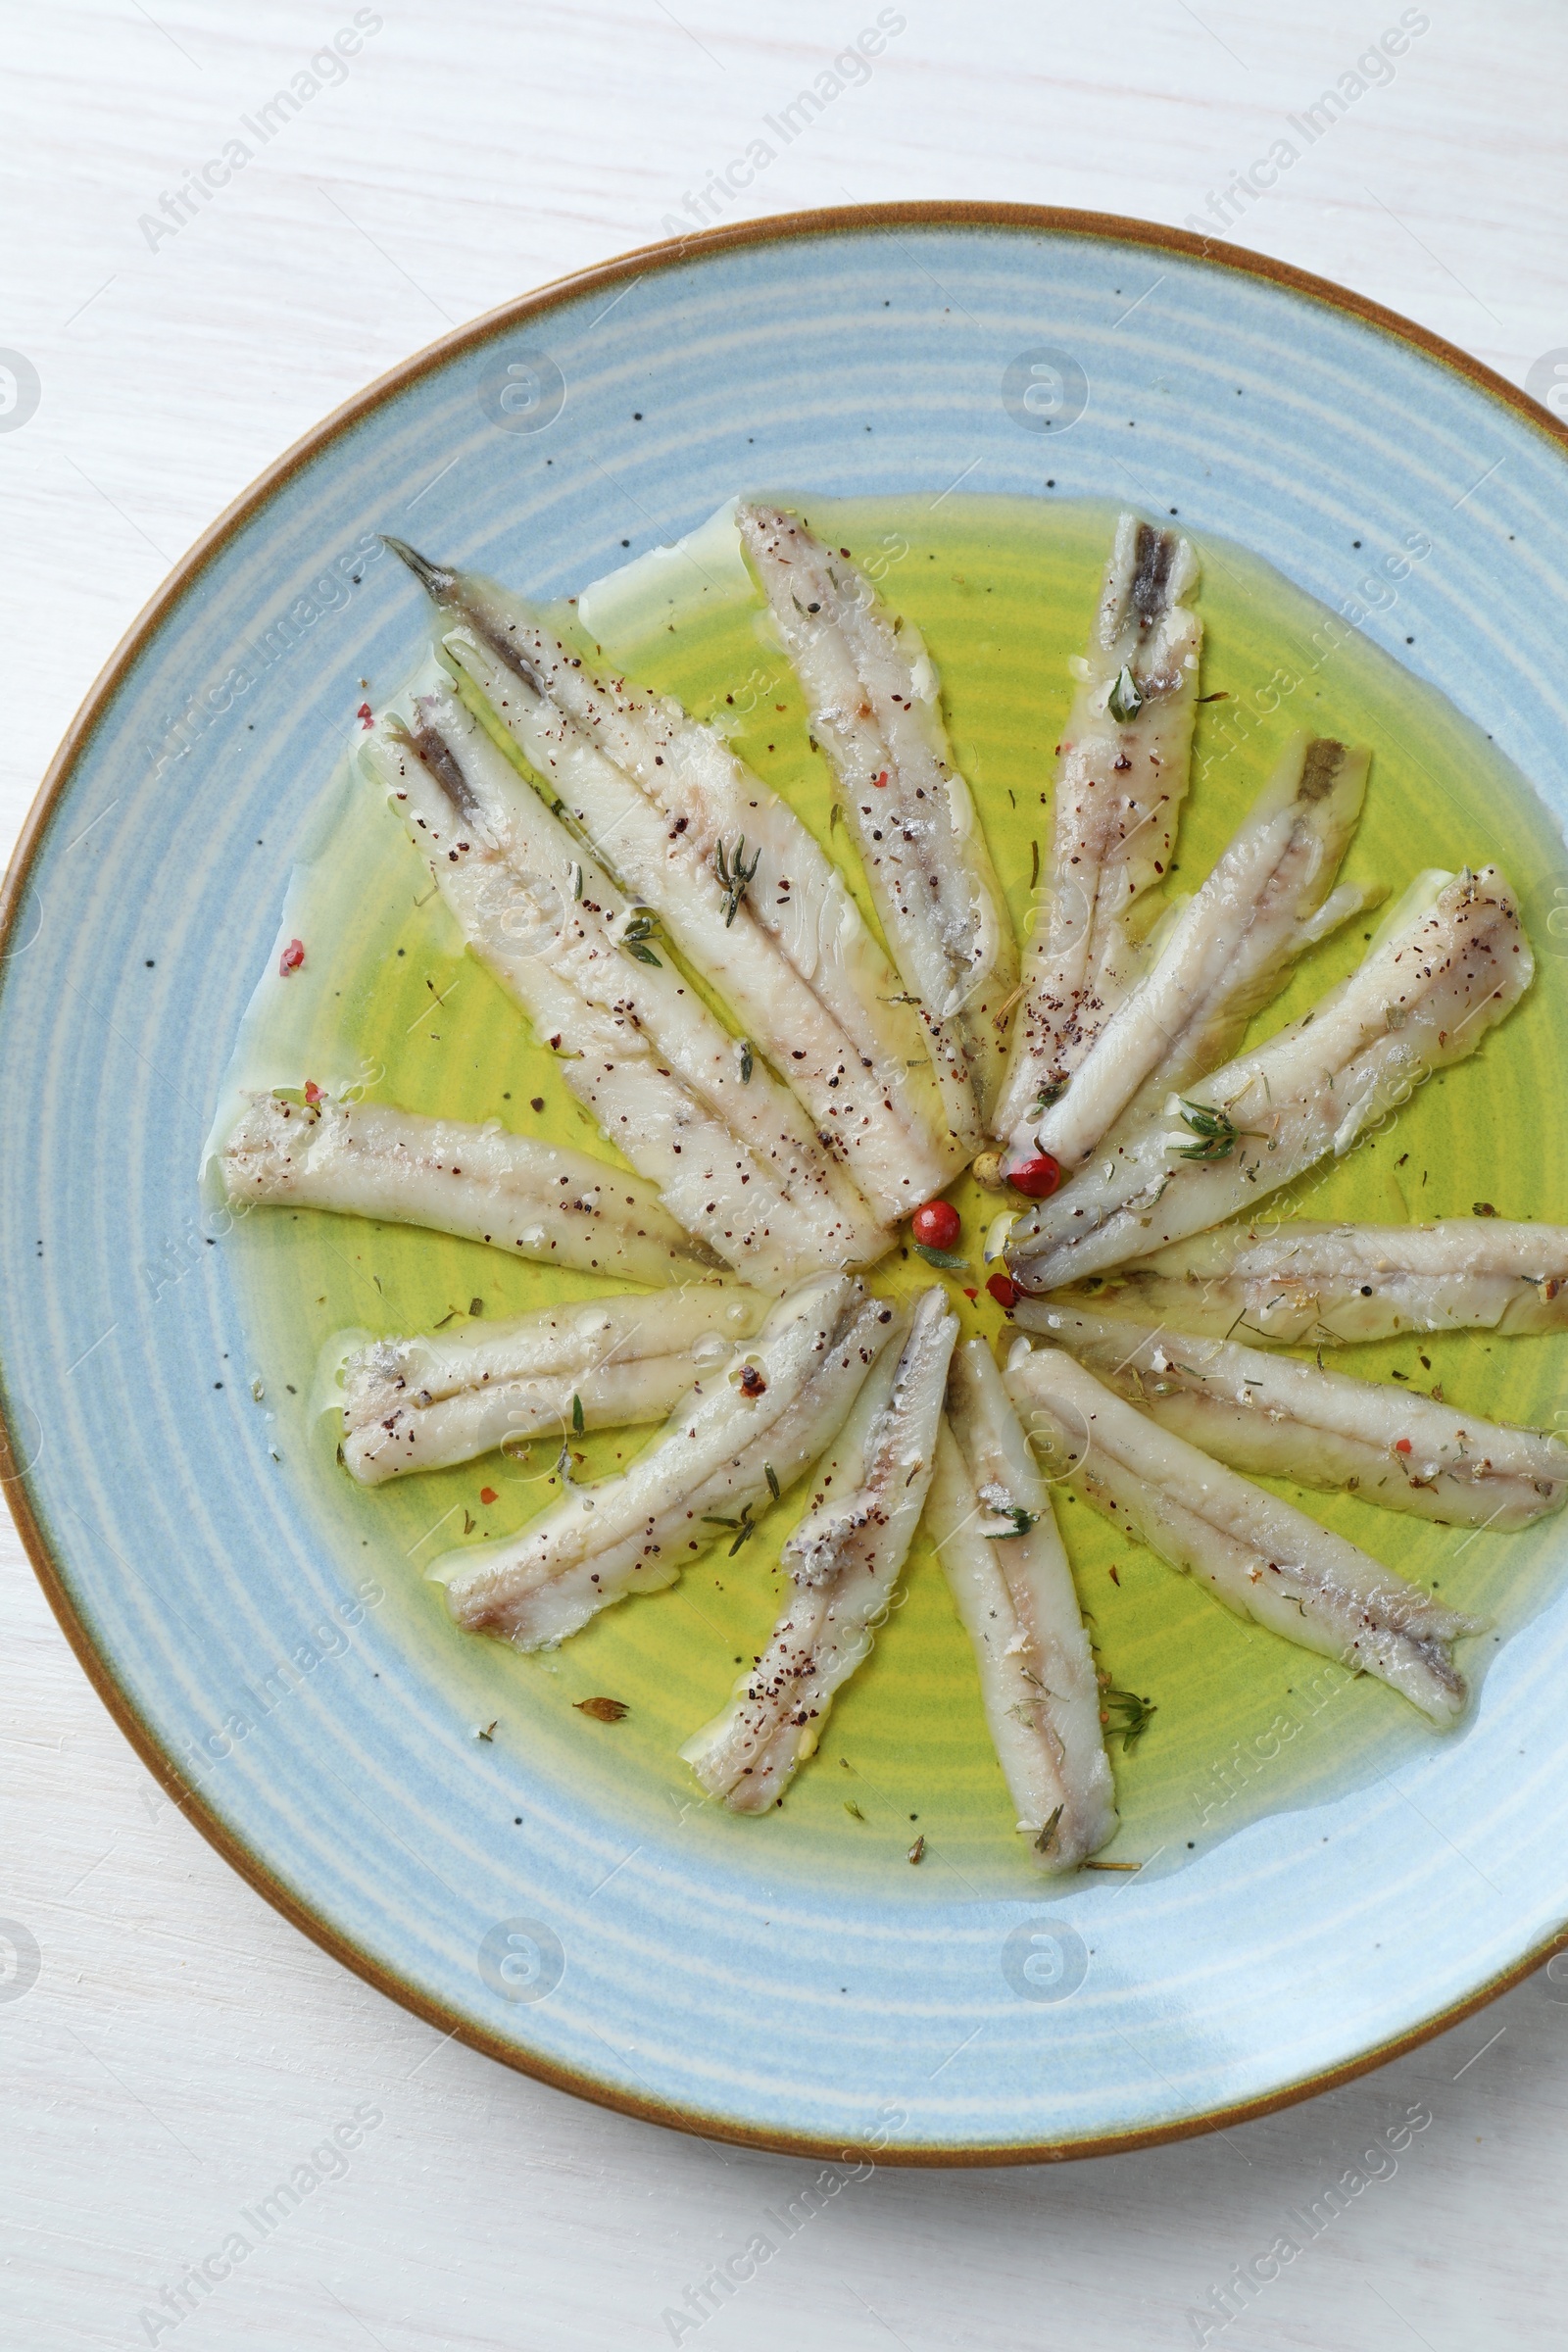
(529, 1891)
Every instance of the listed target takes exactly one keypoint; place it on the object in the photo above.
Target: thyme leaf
(1047, 1835)
(1126, 699)
(1022, 1522)
(1127, 1714)
(743, 1528)
(947, 1259)
(735, 876)
(640, 926)
(1216, 1132)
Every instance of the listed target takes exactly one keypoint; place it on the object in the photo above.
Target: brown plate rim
(641, 262)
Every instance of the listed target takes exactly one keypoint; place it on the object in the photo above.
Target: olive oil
(388, 1001)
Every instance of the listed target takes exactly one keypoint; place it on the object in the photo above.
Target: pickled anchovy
(993, 1524)
(875, 708)
(731, 1150)
(843, 1560)
(1302, 1281)
(1225, 955)
(425, 1403)
(1449, 963)
(697, 1484)
(533, 1200)
(739, 884)
(1121, 778)
(1263, 1558)
(1272, 1416)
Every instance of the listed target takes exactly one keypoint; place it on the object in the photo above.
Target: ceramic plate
(1321, 1880)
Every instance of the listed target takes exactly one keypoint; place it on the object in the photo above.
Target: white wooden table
(183, 2048)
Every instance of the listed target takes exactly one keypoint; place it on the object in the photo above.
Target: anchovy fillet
(739, 884)
(1225, 955)
(1121, 778)
(731, 1150)
(995, 1535)
(1453, 962)
(1262, 1558)
(533, 1200)
(697, 1483)
(427, 1403)
(875, 710)
(843, 1562)
(1273, 1417)
(1298, 1281)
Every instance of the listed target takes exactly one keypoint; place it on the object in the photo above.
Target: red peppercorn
(1037, 1179)
(488, 1495)
(1401, 1444)
(292, 957)
(880, 781)
(312, 1093)
(937, 1224)
(1003, 1290)
(365, 715)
